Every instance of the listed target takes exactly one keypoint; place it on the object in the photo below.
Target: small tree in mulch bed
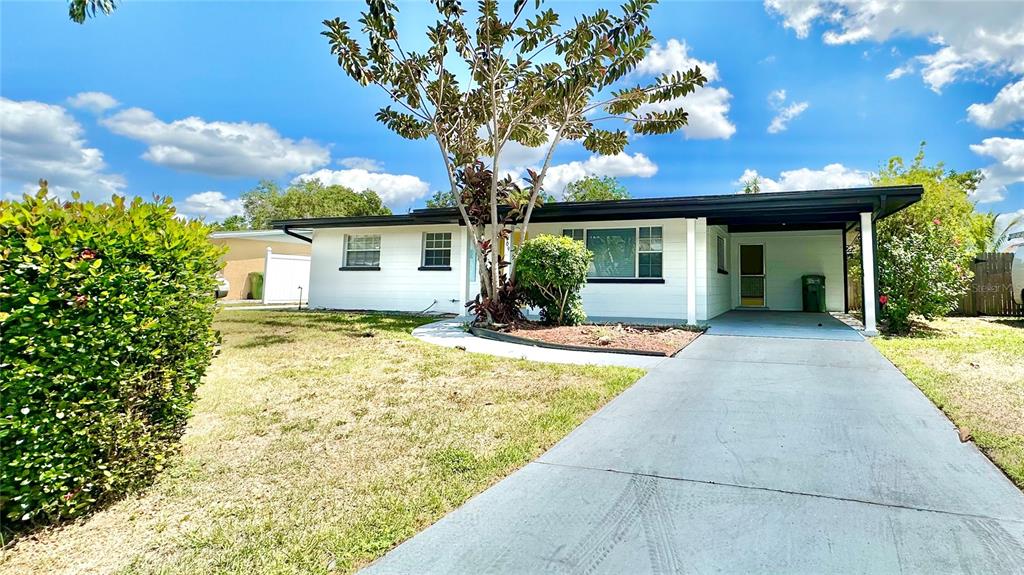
(552, 271)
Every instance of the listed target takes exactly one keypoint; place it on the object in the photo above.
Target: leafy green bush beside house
(925, 251)
(552, 271)
(105, 332)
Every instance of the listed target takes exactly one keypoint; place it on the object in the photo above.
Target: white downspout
(867, 251)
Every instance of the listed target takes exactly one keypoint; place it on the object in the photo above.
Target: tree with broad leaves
(487, 80)
(595, 189)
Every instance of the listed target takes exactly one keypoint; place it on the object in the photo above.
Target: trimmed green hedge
(105, 332)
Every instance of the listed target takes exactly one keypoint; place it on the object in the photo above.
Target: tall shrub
(921, 271)
(105, 313)
(925, 251)
(552, 271)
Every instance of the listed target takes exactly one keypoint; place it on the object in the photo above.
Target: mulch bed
(662, 340)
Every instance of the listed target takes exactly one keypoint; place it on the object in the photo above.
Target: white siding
(719, 294)
(399, 285)
(663, 301)
(789, 255)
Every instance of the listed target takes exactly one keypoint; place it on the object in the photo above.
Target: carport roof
(838, 208)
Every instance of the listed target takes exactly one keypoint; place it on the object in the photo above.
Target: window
(622, 252)
(437, 250)
(649, 252)
(574, 233)
(362, 251)
(614, 252)
(723, 254)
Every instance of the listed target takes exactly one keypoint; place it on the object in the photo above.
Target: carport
(771, 240)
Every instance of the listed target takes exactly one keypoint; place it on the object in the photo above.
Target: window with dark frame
(649, 249)
(437, 249)
(622, 252)
(722, 256)
(574, 233)
(362, 251)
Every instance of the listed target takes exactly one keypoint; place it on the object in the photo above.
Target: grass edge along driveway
(973, 370)
(319, 442)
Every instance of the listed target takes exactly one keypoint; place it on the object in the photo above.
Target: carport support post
(691, 271)
(867, 251)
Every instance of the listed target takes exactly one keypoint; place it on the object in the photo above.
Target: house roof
(260, 235)
(838, 208)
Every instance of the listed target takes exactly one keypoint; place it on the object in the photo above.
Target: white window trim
(636, 259)
(346, 250)
(423, 251)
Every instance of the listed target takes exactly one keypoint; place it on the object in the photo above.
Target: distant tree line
(588, 189)
(307, 199)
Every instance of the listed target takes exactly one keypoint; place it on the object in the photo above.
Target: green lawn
(973, 369)
(319, 442)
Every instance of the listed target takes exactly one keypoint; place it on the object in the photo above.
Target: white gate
(285, 278)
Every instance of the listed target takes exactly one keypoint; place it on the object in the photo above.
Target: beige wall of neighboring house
(247, 255)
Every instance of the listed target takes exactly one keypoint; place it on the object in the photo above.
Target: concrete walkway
(744, 455)
(451, 333)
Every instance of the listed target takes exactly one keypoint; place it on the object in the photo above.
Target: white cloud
(708, 106)
(40, 140)
(783, 113)
(237, 149)
(95, 102)
(901, 71)
(797, 16)
(970, 39)
(1008, 169)
(619, 165)
(1005, 109)
(830, 177)
(210, 206)
(394, 189)
(356, 162)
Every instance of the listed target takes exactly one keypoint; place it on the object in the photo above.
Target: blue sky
(200, 100)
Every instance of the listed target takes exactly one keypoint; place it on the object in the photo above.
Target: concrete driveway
(744, 455)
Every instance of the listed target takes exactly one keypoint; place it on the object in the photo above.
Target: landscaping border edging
(508, 338)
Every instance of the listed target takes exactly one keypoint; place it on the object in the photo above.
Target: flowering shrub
(105, 313)
(922, 270)
(552, 270)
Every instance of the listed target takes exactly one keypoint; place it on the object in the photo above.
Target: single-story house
(282, 258)
(679, 258)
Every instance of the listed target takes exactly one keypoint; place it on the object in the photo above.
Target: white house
(681, 258)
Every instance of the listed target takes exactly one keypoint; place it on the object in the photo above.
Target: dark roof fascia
(365, 221)
(824, 207)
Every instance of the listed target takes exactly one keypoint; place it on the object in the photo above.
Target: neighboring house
(281, 257)
(682, 258)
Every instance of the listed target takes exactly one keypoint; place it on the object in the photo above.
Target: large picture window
(614, 252)
(362, 251)
(622, 252)
(437, 250)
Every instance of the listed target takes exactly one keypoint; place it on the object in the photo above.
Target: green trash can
(814, 293)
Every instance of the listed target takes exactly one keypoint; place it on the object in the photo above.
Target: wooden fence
(991, 292)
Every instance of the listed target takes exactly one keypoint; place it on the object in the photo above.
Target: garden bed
(616, 338)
